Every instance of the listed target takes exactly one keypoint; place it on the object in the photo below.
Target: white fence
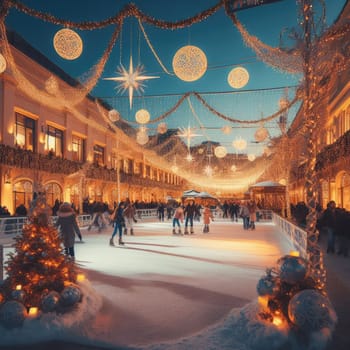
(296, 235)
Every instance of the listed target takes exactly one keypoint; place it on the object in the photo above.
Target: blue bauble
(70, 296)
(50, 301)
(311, 311)
(268, 286)
(293, 269)
(12, 314)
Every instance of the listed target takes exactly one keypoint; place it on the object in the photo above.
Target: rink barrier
(296, 235)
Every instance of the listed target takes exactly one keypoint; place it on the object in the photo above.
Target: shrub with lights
(40, 278)
(292, 298)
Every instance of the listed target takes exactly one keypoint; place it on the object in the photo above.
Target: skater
(177, 218)
(68, 228)
(119, 223)
(129, 216)
(207, 216)
(189, 212)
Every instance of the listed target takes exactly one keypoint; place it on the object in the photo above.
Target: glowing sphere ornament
(12, 314)
(142, 116)
(142, 136)
(283, 103)
(261, 134)
(162, 128)
(239, 144)
(189, 63)
(293, 269)
(50, 301)
(251, 157)
(311, 311)
(113, 115)
(238, 77)
(2, 63)
(227, 129)
(233, 168)
(70, 296)
(174, 168)
(51, 85)
(68, 44)
(220, 151)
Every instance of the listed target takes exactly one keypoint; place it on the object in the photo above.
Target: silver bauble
(311, 311)
(50, 301)
(70, 296)
(12, 314)
(293, 269)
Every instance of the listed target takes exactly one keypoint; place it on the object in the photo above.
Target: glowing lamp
(294, 253)
(80, 277)
(33, 312)
(18, 287)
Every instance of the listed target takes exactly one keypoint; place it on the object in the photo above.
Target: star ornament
(131, 80)
(187, 133)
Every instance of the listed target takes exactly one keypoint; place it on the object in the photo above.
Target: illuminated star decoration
(187, 134)
(131, 79)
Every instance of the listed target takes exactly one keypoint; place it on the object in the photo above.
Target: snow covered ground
(161, 291)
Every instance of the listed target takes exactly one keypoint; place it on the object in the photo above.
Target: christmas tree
(38, 266)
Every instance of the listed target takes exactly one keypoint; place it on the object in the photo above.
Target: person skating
(177, 218)
(119, 223)
(207, 216)
(189, 212)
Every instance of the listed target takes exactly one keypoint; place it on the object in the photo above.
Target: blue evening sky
(216, 36)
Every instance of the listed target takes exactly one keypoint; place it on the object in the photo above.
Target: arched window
(22, 193)
(53, 192)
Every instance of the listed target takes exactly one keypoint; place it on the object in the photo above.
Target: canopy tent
(269, 195)
(190, 193)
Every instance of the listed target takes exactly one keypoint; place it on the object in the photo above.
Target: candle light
(294, 253)
(80, 277)
(263, 301)
(18, 287)
(33, 312)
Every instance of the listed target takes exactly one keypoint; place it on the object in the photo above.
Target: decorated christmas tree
(39, 275)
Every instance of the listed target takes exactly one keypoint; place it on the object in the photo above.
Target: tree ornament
(189, 63)
(68, 44)
(142, 116)
(292, 269)
(50, 301)
(268, 286)
(12, 314)
(162, 128)
(18, 295)
(311, 311)
(238, 77)
(70, 296)
(220, 151)
(261, 134)
(113, 115)
(2, 63)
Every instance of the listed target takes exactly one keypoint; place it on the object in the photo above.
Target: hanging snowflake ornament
(68, 44)
(189, 63)
(238, 77)
(131, 79)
